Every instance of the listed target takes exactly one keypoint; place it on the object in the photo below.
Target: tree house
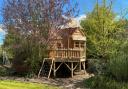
(68, 46)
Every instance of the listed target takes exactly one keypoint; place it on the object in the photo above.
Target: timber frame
(73, 65)
(68, 48)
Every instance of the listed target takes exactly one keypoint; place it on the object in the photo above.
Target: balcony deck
(67, 55)
(72, 58)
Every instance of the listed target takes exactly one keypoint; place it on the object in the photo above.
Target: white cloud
(117, 17)
(1, 29)
(2, 34)
(79, 18)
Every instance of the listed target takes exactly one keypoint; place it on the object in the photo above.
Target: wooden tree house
(68, 47)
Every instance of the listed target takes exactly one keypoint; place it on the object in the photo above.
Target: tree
(30, 27)
(103, 31)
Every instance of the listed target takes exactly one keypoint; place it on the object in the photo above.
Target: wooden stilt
(68, 66)
(59, 66)
(50, 69)
(41, 68)
(75, 66)
(83, 63)
(80, 66)
(71, 69)
(54, 69)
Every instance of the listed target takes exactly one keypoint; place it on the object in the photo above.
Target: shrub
(103, 82)
(28, 57)
(96, 66)
(3, 71)
(118, 64)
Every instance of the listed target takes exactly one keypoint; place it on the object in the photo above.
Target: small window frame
(59, 45)
(76, 44)
(79, 44)
(82, 44)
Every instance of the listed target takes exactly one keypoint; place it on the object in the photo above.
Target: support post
(41, 68)
(72, 69)
(84, 67)
(80, 66)
(54, 69)
(50, 69)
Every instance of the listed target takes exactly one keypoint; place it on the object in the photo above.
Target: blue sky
(88, 5)
(85, 6)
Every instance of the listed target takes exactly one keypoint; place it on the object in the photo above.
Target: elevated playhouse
(68, 48)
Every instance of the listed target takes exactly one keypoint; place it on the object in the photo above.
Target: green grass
(9, 84)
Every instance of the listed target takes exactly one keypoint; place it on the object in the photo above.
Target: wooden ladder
(50, 61)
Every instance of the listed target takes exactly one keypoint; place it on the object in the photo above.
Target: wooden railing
(69, 53)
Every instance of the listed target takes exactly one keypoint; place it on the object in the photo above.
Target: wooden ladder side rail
(43, 65)
(41, 68)
(50, 69)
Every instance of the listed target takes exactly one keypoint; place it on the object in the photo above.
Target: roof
(78, 37)
(73, 23)
(68, 30)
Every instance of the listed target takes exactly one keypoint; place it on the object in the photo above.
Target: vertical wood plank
(41, 68)
(54, 69)
(80, 66)
(71, 69)
(83, 63)
(50, 69)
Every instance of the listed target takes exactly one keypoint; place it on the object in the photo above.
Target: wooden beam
(71, 69)
(41, 68)
(75, 66)
(67, 66)
(54, 69)
(83, 63)
(59, 66)
(50, 69)
(80, 66)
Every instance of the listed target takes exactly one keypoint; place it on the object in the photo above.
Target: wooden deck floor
(66, 59)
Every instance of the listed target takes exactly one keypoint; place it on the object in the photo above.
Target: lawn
(9, 84)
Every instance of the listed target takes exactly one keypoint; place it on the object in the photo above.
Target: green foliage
(4, 71)
(101, 30)
(96, 66)
(27, 53)
(1, 55)
(30, 55)
(103, 82)
(104, 35)
(118, 64)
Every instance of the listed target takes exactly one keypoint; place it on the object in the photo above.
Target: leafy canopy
(102, 30)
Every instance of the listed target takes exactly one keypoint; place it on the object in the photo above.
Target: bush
(3, 71)
(118, 64)
(96, 66)
(103, 82)
(28, 57)
(1, 60)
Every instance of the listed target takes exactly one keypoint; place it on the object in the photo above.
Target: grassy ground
(9, 84)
